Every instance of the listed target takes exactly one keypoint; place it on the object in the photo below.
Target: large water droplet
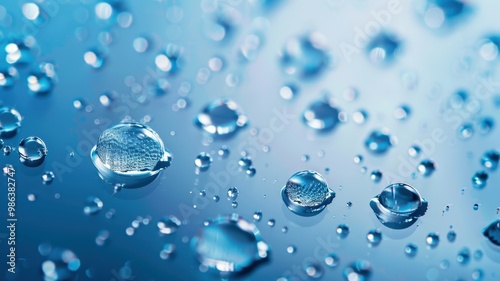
(131, 154)
(306, 193)
(398, 206)
(221, 117)
(383, 48)
(492, 232)
(321, 115)
(479, 179)
(359, 270)
(432, 240)
(10, 122)
(378, 142)
(60, 264)
(490, 159)
(168, 225)
(305, 56)
(92, 206)
(32, 151)
(374, 237)
(229, 244)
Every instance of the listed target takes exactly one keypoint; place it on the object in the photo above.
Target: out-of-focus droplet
(463, 256)
(289, 91)
(332, 260)
(216, 64)
(376, 176)
(442, 14)
(360, 116)
(414, 151)
(60, 264)
(383, 48)
(489, 48)
(465, 131)
(10, 122)
(451, 236)
(216, 198)
(170, 60)
(313, 270)
(168, 224)
(92, 206)
(350, 94)
(41, 80)
(358, 159)
(271, 222)
(221, 117)
(378, 142)
(251, 171)
(426, 167)
(479, 179)
(402, 112)
(321, 115)
(95, 58)
(490, 160)
(257, 216)
(432, 240)
(141, 44)
(342, 231)
(374, 237)
(102, 237)
(359, 270)
(485, 125)
(167, 251)
(290, 249)
(8, 77)
(411, 250)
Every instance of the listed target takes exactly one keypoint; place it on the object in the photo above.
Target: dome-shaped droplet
(342, 231)
(378, 142)
(465, 131)
(376, 176)
(232, 193)
(306, 193)
(489, 48)
(92, 206)
(374, 237)
(48, 177)
(221, 117)
(411, 250)
(257, 216)
(169, 60)
(10, 122)
(8, 77)
(305, 56)
(168, 224)
(426, 167)
(60, 264)
(32, 151)
(332, 260)
(203, 161)
(360, 116)
(485, 125)
(492, 233)
(451, 236)
(479, 179)
(432, 240)
(95, 58)
(321, 115)
(19, 51)
(398, 206)
(359, 270)
(289, 91)
(402, 112)
(490, 159)
(383, 48)
(463, 256)
(313, 270)
(414, 151)
(229, 244)
(131, 154)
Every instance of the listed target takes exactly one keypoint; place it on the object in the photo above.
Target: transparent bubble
(426, 167)
(221, 117)
(378, 142)
(376, 176)
(306, 193)
(8, 77)
(10, 122)
(95, 58)
(48, 177)
(383, 48)
(432, 240)
(203, 161)
(229, 244)
(321, 115)
(479, 179)
(411, 250)
(492, 233)
(60, 264)
(342, 231)
(332, 260)
(305, 56)
(313, 270)
(398, 206)
(168, 224)
(374, 237)
(170, 60)
(359, 270)
(131, 154)
(490, 160)
(92, 206)
(32, 151)
(451, 236)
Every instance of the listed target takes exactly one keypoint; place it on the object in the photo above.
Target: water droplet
(95, 58)
(332, 260)
(342, 231)
(10, 122)
(203, 193)
(451, 236)
(414, 151)
(480, 179)
(168, 225)
(490, 159)
(411, 250)
(383, 48)
(489, 48)
(234, 204)
(290, 249)
(378, 142)
(221, 117)
(444, 264)
(321, 115)
(358, 159)
(313, 270)
(216, 64)
(245, 162)
(376, 176)
(232, 193)
(438, 14)
(359, 270)
(350, 94)
(32, 151)
(284, 229)
(289, 91)
(305, 56)
(432, 240)
(360, 116)
(426, 167)
(131, 154)
(485, 125)
(478, 255)
(251, 45)
(8, 77)
(374, 237)
(141, 44)
(229, 244)
(48, 177)
(102, 237)
(92, 206)
(271, 222)
(349, 204)
(7, 149)
(223, 151)
(477, 275)
(60, 264)
(203, 161)
(475, 207)
(168, 251)
(402, 113)
(18, 52)
(306, 193)
(169, 60)
(465, 131)
(463, 257)
(216, 198)
(251, 171)
(41, 81)
(398, 206)
(257, 216)
(492, 232)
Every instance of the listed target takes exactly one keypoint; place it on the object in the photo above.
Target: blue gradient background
(437, 58)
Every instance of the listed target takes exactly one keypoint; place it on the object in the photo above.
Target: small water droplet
(8, 77)
(290, 249)
(349, 204)
(332, 260)
(170, 60)
(465, 131)
(251, 171)
(378, 142)
(32, 151)
(221, 117)
(411, 250)
(223, 151)
(490, 160)
(478, 255)
(216, 64)
(342, 231)
(141, 44)
(48, 177)
(360, 270)
(167, 251)
(92, 206)
(284, 229)
(402, 113)
(360, 116)
(358, 159)
(480, 179)
(232, 193)
(374, 237)
(168, 224)
(245, 162)
(60, 264)
(95, 58)
(321, 115)
(313, 270)
(383, 48)
(463, 257)
(426, 167)
(451, 236)
(102, 237)
(257, 216)
(203, 161)
(216, 198)
(432, 240)
(376, 176)
(475, 207)
(414, 151)
(289, 91)
(271, 222)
